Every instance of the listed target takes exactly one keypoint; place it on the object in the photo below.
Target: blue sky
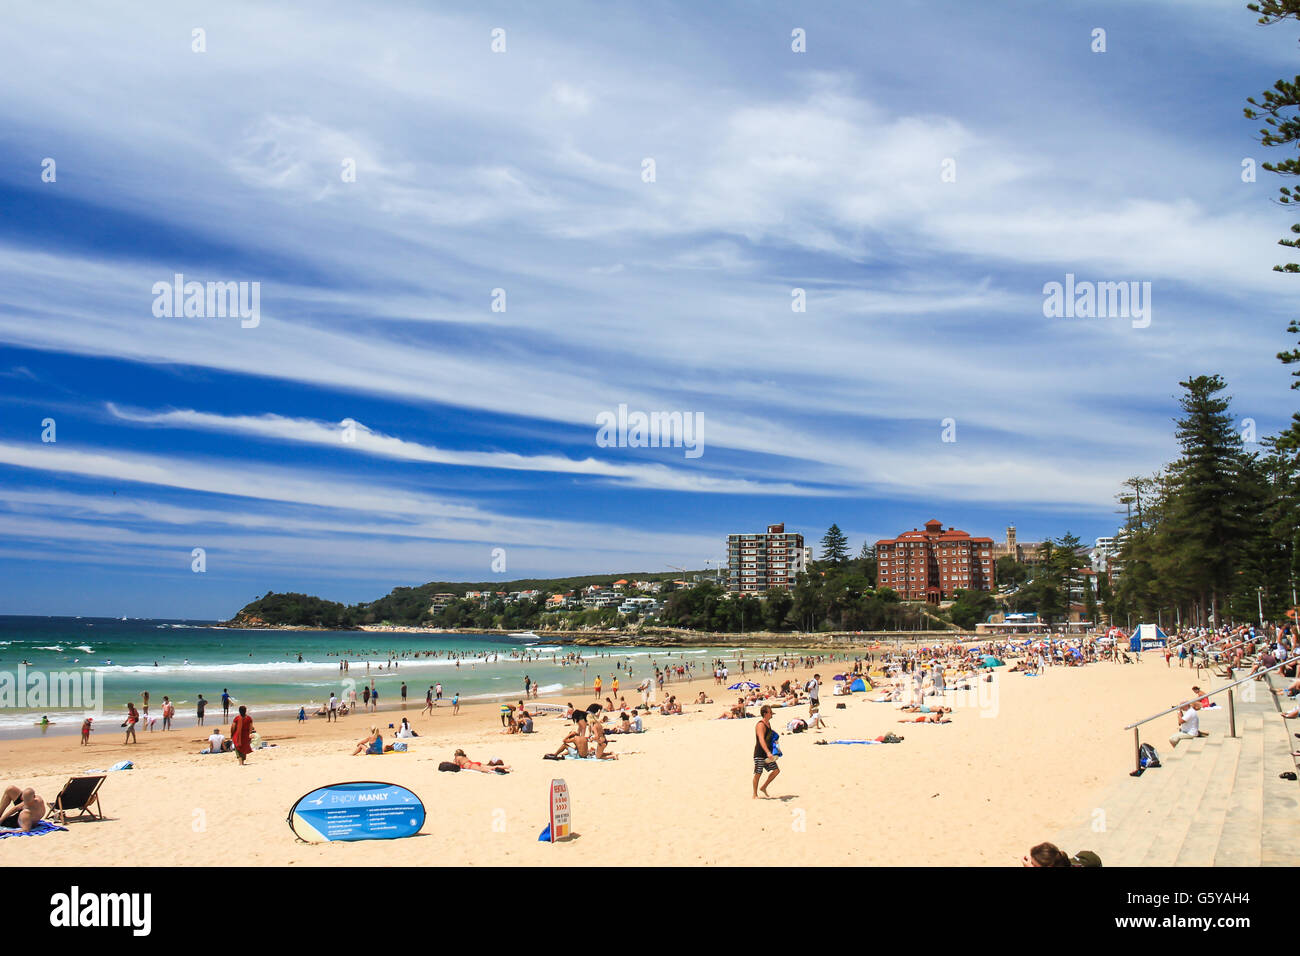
(522, 170)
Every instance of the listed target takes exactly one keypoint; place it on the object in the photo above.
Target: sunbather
(926, 719)
(495, 765)
(21, 808)
(598, 731)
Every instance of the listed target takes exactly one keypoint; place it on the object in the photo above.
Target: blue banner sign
(356, 811)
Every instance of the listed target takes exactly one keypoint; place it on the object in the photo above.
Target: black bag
(1147, 757)
(449, 767)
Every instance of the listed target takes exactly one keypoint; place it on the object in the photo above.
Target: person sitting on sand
(495, 765)
(671, 707)
(598, 731)
(372, 745)
(624, 724)
(21, 808)
(702, 699)
(578, 738)
(815, 721)
(926, 719)
(405, 731)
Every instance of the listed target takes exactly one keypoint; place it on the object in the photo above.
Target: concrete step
(1135, 805)
(1280, 831)
(1206, 827)
(1195, 780)
(1185, 772)
(1242, 834)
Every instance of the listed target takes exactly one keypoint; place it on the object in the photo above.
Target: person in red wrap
(241, 734)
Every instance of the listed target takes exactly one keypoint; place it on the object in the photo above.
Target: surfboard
(359, 810)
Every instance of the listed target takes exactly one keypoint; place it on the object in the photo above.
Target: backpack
(1147, 757)
(448, 766)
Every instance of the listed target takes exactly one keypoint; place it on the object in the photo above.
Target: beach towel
(45, 826)
(853, 741)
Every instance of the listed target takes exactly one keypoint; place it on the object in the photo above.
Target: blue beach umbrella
(991, 661)
(744, 685)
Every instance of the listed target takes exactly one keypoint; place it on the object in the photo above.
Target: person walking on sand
(403, 695)
(374, 698)
(132, 718)
(225, 703)
(428, 702)
(437, 690)
(814, 688)
(169, 711)
(144, 708)
(241, 734)
(86, 728)
(199, 707)
(332, 711)
(764, 756)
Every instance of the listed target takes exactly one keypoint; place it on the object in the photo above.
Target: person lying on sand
(495, 765)
(925, 709)
(926, 719)
(21, 808)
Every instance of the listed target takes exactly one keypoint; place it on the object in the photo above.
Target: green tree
(835, 546)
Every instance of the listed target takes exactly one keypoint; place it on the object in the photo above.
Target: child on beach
(132, 718)
(85, 731)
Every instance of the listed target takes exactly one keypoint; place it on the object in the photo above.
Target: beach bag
(1147, 757)
(399, 747)
(448, 767)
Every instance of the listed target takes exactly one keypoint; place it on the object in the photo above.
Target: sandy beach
(1016, 766)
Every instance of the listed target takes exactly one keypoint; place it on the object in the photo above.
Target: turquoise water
(112, 662)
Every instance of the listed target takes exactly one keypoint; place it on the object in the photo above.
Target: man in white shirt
(215, 742)
(1189, 725)
(333, 713)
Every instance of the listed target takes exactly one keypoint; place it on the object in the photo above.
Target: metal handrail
(1232, 712)
(1165, 713)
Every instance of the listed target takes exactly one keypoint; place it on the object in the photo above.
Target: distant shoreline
(658, 637)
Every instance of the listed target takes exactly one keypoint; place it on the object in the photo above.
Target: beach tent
(859, 684)
(1147, 637)
(991, 661)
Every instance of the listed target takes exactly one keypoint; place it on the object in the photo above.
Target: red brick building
(932, 565)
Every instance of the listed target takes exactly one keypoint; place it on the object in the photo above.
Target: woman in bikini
(493, 766)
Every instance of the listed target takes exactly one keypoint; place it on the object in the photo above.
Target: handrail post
(1137, 749)
(1232, 714)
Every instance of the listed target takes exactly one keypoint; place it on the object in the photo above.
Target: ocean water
(109, 662)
